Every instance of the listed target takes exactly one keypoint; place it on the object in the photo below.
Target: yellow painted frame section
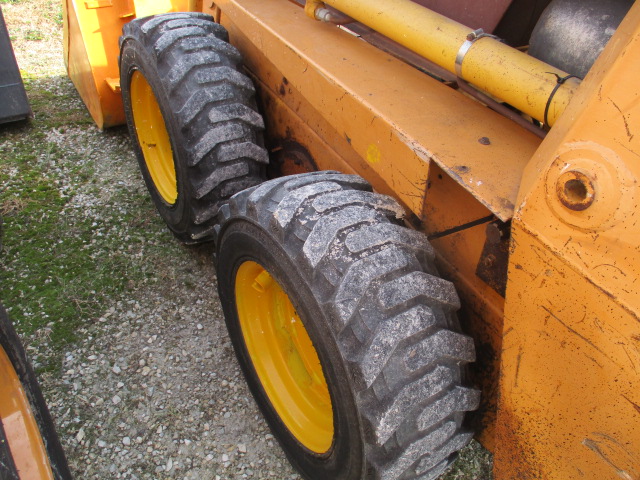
(569, 396)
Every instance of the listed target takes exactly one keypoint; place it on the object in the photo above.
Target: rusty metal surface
(569, 396)
(396, 119)
(485, 14)
(494, 260)
(288, 157)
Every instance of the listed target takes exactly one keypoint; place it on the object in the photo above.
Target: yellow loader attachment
(91, 31)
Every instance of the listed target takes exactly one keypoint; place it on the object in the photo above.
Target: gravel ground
(154, 392)
(149, 388)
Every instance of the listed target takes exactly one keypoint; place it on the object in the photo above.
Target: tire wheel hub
(154, 138)
(284, 357)
(20, 427)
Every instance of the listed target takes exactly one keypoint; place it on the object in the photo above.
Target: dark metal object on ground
(13, 98)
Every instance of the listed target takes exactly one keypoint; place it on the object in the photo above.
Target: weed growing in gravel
(474, 462)
(34, 35)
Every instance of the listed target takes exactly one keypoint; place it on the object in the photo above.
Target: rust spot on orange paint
(513, 444)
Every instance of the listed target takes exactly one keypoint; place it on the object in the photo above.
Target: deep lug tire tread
(392, 317)
(217, 128)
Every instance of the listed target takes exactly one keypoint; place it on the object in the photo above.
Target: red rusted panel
(483, 14)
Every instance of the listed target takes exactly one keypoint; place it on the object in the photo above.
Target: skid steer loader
(450, 223)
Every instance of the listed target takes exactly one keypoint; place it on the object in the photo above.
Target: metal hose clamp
(471, 38)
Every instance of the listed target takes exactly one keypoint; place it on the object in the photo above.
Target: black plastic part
(14, 104)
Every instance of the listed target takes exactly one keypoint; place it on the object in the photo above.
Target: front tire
(192, 117)
(364, 291)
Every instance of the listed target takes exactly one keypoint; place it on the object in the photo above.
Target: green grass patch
(34, 35)
(55, 102)
(67, 252)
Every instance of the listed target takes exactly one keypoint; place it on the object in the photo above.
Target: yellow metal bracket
(114, 84)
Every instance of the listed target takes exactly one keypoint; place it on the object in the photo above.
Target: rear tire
(192, 117)
(382, 323)
(22, 404)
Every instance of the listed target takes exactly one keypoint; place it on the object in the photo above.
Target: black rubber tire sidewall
(134, 57)
(10, 343)
(244, 241)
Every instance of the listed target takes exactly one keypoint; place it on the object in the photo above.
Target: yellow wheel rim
(20, 427)
(284, 357)
(153, 138)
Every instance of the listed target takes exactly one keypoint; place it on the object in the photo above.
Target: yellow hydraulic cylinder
(530, 85)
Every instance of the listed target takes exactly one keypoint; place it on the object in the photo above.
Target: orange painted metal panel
(91, 32)
(569, 398)
(397, 119)
(448, 205)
